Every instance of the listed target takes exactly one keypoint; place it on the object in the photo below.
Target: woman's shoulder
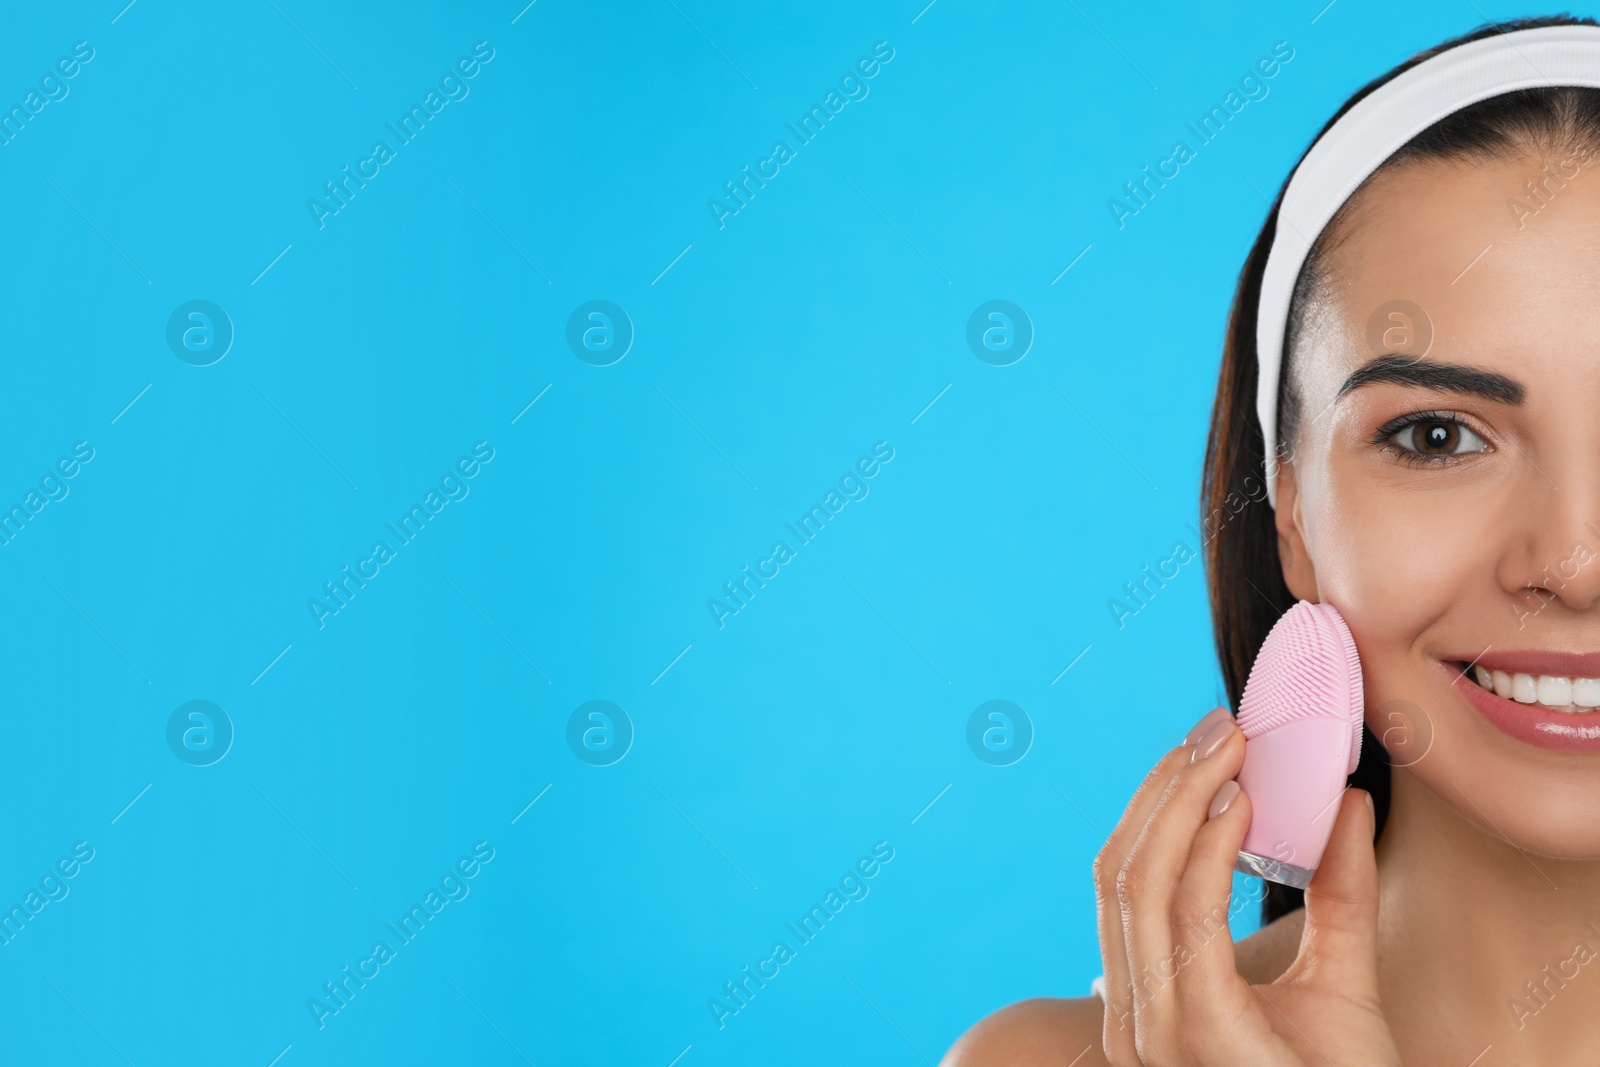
(1052, 1030)
(1044, 1030)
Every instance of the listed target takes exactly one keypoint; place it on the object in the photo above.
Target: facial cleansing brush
(1301, 715)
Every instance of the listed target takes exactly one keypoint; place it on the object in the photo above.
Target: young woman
(1430, 281)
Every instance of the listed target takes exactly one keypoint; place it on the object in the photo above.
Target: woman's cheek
(1395, 569)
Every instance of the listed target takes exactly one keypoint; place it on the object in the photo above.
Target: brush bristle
(1307, 668)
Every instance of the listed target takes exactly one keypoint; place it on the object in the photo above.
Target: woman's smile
(1541, 709)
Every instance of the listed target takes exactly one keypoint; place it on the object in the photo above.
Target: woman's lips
(1556, 730)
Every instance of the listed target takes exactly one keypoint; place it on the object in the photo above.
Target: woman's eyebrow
(1446, 377)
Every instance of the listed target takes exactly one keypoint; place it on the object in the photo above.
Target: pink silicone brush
(1301, 715)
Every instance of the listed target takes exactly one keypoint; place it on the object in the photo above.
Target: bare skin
(1486, 881)
(1053, 1030)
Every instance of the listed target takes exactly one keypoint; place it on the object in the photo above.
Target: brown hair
(1245, 576)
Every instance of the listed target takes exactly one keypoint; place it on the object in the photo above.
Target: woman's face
(1449, 506)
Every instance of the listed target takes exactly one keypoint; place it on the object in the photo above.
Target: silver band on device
(1273, 870)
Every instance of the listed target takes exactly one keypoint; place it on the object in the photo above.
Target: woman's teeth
(1553, 691)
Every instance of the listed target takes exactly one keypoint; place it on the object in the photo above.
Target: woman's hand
(1162, 888)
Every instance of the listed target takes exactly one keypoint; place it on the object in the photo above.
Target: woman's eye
(1438, 437)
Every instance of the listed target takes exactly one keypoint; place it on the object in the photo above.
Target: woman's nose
(1560, 560)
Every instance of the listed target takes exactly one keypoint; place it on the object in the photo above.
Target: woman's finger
(1210, 990)
(1156, 866)
(1117, 1033)
(1117, 1036)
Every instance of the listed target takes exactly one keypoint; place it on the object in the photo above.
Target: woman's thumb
(1339, 945)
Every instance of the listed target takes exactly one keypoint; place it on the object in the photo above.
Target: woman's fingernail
(1370, 809)
(1212, 739)
(1203, 725)
(1224, 797)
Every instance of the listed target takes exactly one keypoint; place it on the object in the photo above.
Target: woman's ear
(1299, 573)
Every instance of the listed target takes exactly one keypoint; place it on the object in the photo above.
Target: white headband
(1372, 131)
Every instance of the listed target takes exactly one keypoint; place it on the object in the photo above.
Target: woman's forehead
(1484, 261)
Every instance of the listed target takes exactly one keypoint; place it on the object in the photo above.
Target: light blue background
(425, 716)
